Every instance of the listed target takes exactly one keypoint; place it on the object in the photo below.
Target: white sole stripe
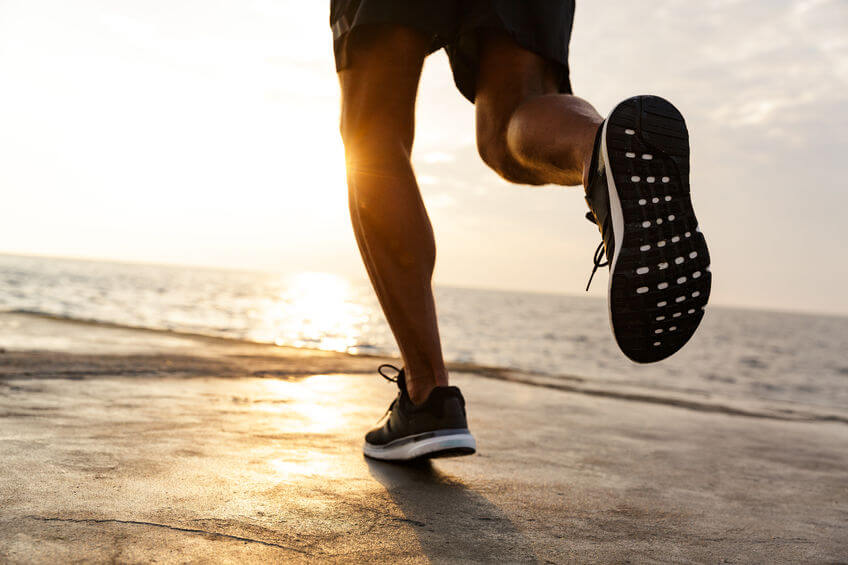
(421, 448)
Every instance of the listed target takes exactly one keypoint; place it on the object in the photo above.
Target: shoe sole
(660, 272)
(445, 443)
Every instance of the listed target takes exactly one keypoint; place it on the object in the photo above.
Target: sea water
(737, 354)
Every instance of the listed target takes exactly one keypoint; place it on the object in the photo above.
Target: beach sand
(130, 445)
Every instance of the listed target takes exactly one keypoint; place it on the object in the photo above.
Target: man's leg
(658, 258)
(389, 219)
(526, 130)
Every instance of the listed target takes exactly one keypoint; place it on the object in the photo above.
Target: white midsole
(420, 448)
(615, 211)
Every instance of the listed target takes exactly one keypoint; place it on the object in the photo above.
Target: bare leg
(391, 225)
(526, 131)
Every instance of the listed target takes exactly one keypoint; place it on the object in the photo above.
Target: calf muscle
(390, 222)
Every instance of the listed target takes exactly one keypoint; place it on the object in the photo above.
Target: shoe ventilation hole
(658, 331)
(651, 179)
(661, 243)
(672, 328)
(655, 199)
(635, 178)
(676, 315)
(642, 290)
(647, 156)
(680, 299)
(687, 234)
(659, 221)
(629, 132)
(693, 254)
(696, 294)
(668, 199)
(642, 202)
(661, 303)
(696, 275)
(663, 265)
(645, 247)
(660, 318)
(675, 239)
(681, 280)
(665, 179)
(690, 311)
(678, 261)
(671, 217)
(657, 343)
(642, 270)
(646, 224)
(630, 154)
(662, 285)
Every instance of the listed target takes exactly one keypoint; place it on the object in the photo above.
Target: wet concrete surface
(203, 451)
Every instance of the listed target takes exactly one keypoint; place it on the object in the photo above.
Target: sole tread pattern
(660, 282)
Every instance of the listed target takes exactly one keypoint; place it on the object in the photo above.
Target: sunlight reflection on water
(312, 309)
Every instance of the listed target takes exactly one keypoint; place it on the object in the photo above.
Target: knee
(374, 149)
(373, 128)
(379, 171)
(373, 139)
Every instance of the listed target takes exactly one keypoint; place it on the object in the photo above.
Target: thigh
(380, 82)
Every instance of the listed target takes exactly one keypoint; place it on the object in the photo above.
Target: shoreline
(566, 382)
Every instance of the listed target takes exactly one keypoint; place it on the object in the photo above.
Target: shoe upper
(444, 409)
(597, 197)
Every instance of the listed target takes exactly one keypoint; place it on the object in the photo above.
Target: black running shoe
(435, 428)
(639, 196)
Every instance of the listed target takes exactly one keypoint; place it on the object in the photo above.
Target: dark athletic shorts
(541, 26)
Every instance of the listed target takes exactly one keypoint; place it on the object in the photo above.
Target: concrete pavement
(133, 446)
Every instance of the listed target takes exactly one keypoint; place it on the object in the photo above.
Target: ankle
(420, 396)
(419, 389)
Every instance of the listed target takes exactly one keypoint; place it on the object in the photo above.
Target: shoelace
(598, 258)
(391, 380)
(387, 377)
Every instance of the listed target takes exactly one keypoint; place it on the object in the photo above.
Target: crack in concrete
(167, 527)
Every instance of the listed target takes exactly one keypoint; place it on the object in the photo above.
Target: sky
(206, 133)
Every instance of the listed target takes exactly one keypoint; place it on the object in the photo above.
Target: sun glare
(308, 401)
(307, 407)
